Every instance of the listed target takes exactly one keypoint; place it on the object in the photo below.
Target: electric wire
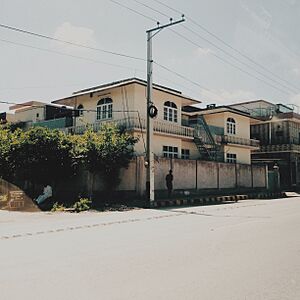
(219, 57)
(85, 110)
(185, 78)
(160, 65)
(69, 55)
(132, 10)
(229, 63)
(68, 42)
(222, 50)
(227, 44)
(153, 9)
(292, 90)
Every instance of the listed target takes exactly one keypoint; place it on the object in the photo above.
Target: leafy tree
(41, 155)
(7, 141)
(44, 156)
(106, 152)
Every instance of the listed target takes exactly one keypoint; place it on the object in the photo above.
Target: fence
(192, 175)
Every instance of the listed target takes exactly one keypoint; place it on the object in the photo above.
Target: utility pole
(152, 110)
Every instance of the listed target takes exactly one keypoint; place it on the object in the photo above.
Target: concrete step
(291, 194)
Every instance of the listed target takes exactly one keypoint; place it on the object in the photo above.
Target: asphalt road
(246, 250)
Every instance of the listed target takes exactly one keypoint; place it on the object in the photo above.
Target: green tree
(41, 155)
(8, 140)
(106, 152)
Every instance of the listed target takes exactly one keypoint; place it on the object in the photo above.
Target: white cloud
(75, 34)
(295, 99)
(203, 51)
(296, 71)
(261, 17)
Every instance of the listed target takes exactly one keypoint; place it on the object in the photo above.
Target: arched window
(231, 126)
(80, 110)
(104, 109)
(170, 112)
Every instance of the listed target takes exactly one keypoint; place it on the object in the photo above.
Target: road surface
(245, 250)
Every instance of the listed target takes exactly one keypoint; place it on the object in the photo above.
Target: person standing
(169, 183)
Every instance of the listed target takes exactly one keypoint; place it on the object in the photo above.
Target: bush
(57, 207)
(82, 204)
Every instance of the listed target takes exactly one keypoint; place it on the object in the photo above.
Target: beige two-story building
(181, 129)
(124, 102)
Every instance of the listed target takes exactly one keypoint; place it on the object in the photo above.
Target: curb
(215, 199)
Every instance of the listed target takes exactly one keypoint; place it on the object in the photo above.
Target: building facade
(181, 130)
(225, 132)
(279, 134)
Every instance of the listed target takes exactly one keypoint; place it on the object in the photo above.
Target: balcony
(137, 124)
(231, 139)
(54, 124)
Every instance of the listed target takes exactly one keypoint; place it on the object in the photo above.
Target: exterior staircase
(205, 141)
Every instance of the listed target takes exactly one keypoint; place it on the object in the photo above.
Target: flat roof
(252, 101)
(28, 104)
(33, 105)
(215, 110)
(124, 82)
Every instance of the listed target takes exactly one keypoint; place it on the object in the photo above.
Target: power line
(229, 63)
(185, 78)
(149, 7)
(217, 47)
(68, 42)
(242, 53)
(219, 57)
(79, 57)
(69, 55)
(226, 44)
(165, 5)
(238, 60)
(133, 10)
(163, 67)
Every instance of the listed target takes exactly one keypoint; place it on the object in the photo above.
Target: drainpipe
(296, 172)
(74, 120)
(270, 133)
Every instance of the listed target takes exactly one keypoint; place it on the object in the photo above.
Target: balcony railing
(136, 123)
(54, 124)
(280, 148)
(230, 139)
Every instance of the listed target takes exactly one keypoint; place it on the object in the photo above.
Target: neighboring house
(224, 133)
(124, 102)
(279, 133)
(6, 118)
(36, 113)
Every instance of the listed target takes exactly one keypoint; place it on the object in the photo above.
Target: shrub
(57, 207)
(82, 204)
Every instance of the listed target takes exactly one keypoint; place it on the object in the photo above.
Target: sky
(259, 60)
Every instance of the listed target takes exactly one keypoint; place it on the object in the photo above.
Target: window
(104, 109)
(231, 158)
(170, 151)
(231, 126)
(80, 110)
(185, 153)
(170, 112)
